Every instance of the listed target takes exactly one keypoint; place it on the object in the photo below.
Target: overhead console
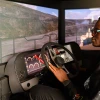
(25, 68)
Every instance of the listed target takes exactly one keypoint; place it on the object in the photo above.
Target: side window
(78, 25)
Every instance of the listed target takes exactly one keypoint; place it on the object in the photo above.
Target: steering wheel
(56, 59)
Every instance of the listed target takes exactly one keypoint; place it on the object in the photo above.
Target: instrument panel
(34, 63)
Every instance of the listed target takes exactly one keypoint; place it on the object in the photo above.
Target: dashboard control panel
(24, 67)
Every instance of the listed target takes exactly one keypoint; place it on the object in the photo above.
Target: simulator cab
(33, 33)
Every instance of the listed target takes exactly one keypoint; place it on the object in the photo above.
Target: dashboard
(24, 69)
(34, 62)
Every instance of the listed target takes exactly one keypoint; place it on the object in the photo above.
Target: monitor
(25, 27)
(78, 25)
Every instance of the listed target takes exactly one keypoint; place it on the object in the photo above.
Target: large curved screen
(25, 27)
(78, 25)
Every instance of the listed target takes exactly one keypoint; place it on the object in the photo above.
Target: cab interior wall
(47, 3)
(62, 4)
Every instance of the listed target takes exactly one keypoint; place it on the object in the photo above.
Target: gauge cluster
(34, 63)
